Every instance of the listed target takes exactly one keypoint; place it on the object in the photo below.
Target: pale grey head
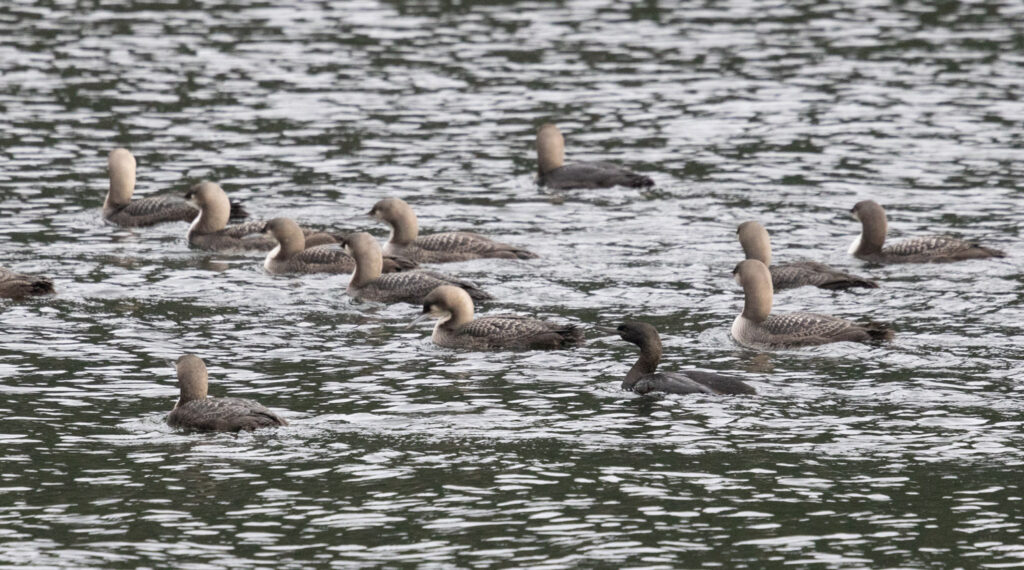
(550, 148)
(121, 167)
(193, 380)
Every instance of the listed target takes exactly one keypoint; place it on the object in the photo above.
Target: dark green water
(403, 454)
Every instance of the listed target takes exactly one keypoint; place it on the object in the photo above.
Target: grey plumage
(151, 211)
(120, 209)
(456, 246)
(456, 327)
(554, 173)
(757, 327)
(756, 244)
(935, 249)
(16, 285)
(246, 236)
(292, 256)
(223, 414)
(807, 329)
(370, 284)
(580, 175)
(870, 246)
(411, 287)
(405, 240)
(802, 273)
(196, 412)
(644, 379)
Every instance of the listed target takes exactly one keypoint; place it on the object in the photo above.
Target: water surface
(402, 453)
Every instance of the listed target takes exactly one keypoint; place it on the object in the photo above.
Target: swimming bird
(757, 245)
(120, 209)
(642, 378)
(870, 246)
(436, 248)
(408, 286)
(15, 285)
(195, 412)
(456, 327)
(292, 256)
(554, 173)
(757, 327)
(210, 231)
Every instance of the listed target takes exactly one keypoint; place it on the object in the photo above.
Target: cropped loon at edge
(16, 285)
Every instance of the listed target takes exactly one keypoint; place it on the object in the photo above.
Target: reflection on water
(398, 451)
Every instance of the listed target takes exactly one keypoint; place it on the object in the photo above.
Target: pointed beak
(418, 319)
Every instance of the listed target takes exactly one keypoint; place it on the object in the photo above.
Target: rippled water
(903, 455)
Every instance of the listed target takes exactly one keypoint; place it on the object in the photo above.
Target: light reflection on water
(401, 452)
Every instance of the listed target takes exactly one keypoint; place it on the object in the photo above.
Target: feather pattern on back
(411, 287)
(805, 329)
(222, 414)
(247, 236)
(151, 211)
(509, 332)
(936, 248)
(592, 175)
(13, 285)
(456, 246)
(801, 273)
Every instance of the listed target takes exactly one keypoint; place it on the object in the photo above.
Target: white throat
(270, 257)
(855, 245)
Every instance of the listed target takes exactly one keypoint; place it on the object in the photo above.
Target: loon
(292, 256)
(408, 286)
(757, 327)
(436, 248)
(210, 231)
(554, 173)
(195, 412)
(120, 209)
(642, 378)
(16, 285)
(870, 246)
(757, 245)
(456, 327)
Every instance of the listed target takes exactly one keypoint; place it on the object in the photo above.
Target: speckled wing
(513, 331)
(412, 287)
(324, 259)
(475, 292)
(223, 414)
(14, 285)
(811, 328)
(154, 210)
(469, 243)
(938, 248)
(812, 273)
(593, 175)
(245, 229)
